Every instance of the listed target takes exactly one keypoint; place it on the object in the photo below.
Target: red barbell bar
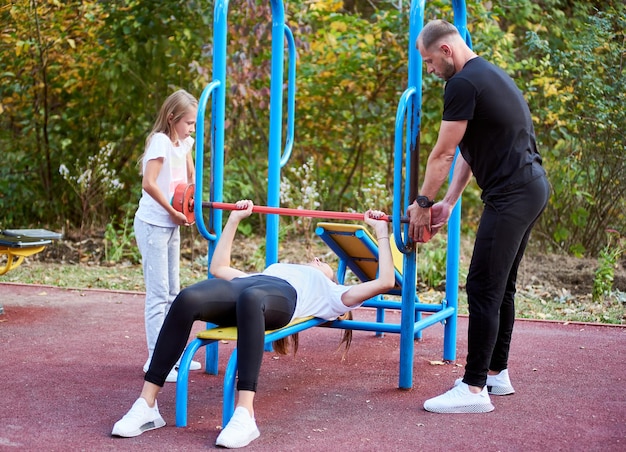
(183, 201)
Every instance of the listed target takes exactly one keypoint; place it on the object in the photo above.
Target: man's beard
(448, 71)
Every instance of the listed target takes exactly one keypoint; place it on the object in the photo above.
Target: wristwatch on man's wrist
(424, 202)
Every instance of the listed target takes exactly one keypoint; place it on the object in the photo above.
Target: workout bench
(210, 338)
(365, 265)
(357, 250)
(17, 244)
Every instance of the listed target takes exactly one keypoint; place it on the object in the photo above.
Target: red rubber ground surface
(71, 366)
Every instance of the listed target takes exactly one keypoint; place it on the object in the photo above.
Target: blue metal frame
(409, 109)
(228, 404)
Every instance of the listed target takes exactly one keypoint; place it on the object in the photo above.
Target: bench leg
(20, 254)
(211, 358)
(228, 404)
(182, 383)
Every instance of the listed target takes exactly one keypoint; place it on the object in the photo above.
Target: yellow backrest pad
(356, 249)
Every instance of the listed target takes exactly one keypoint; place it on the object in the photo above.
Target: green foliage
(431, 263)
(120, 244)
(49, 51)
(579, 86)
(608, 259)
(78, 76)
(299, 190)
(92, 182)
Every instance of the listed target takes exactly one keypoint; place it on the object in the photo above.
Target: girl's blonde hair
(173, 109)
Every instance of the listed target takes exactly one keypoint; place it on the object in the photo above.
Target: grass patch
(532, 301)
(533, 304)
(88, 276)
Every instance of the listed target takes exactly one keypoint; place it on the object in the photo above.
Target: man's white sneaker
(140, 418)
(496, 384)
(240, 431)
(460, 399)
(500, 384)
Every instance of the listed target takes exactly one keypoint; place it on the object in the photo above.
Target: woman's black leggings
(501, 239)
(253, 304)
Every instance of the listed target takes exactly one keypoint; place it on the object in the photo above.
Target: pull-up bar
(183, 201)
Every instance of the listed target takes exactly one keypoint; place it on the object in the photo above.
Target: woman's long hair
(281, 346)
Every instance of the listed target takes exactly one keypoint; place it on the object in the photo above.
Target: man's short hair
(433, 31)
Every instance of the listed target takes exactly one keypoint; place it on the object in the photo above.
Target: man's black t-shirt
(499, 143)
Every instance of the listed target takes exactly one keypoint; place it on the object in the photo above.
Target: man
(486, 116)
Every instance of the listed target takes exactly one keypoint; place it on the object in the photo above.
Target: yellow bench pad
(229, 333)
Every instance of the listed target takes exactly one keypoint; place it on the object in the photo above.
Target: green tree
(580, 87)
(48, 49)
(83, 75)
(79, 77)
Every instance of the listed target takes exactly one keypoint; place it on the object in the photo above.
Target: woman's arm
(386, 270)
(220, 262)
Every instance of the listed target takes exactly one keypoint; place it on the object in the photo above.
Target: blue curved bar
(182, 383)
(291, 97)
(397, 171)
(197, 208)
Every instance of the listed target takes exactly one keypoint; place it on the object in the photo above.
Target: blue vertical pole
(220, 23)
(454, 227)
(407, 320)
(275, 132)
(218, 112)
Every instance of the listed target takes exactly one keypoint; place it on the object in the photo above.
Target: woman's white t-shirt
(173, 172)
(317, 294)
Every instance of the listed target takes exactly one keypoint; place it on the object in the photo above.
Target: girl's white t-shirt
(317, 295)
(173, 172)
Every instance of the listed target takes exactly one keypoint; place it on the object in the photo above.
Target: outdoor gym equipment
(280, 144)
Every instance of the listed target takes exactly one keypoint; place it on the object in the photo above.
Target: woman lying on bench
(254, 303)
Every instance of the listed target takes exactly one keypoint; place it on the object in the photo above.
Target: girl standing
(166, 162)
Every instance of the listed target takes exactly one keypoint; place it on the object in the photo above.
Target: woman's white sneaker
(240, 431)
(460, 399)
(140, 418)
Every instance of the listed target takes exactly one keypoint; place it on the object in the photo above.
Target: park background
(82, 81)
